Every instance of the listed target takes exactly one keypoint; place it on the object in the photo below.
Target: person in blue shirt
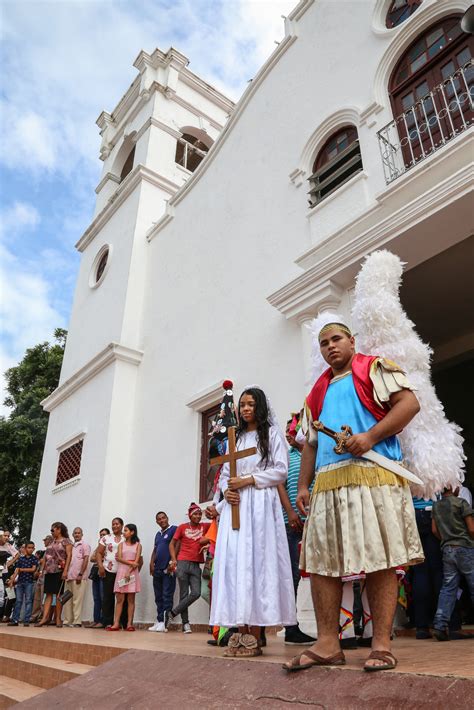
(23, 578)
(164, 580)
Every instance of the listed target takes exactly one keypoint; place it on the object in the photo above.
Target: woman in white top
(252, 582)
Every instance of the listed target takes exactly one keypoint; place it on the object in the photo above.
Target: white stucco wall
(194, 298)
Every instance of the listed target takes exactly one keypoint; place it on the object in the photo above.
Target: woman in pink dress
(127, 581)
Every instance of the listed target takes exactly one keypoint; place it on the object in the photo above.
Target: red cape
(364, 387)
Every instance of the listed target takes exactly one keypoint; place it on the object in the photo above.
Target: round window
(100, 266)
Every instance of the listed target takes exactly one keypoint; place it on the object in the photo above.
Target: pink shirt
(80, 550)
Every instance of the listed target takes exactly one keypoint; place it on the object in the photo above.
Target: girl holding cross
(252, 582)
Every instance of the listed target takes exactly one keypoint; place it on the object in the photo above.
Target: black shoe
(212, 642)
(423, 634)
(440, 635)
(459, 635)
(13, 623)
(298, 638)
(348, 644)
(26, 624)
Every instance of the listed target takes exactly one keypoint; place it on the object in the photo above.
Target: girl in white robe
(252, 582)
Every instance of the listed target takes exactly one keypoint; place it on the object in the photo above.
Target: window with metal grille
(207, 472)
(401, 10)
(337, 161)
(69, 464)
(190, 152)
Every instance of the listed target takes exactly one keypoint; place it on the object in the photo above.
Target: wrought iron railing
(428, 124)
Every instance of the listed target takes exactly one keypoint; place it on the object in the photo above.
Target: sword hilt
(340, 437)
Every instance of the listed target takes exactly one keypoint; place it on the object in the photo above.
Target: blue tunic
(343, 406)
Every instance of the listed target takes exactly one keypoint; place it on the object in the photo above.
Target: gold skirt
(360, 528)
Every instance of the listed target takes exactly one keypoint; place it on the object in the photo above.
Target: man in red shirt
(186, 552)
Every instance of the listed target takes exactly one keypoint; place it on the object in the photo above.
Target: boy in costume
(361, 516)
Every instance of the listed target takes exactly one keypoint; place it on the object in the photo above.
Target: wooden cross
(231, 458)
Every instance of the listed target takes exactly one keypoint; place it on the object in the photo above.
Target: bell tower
(156, 137)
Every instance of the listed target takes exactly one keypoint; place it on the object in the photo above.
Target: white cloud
(26, 313)
(78, 61)
(18, 217)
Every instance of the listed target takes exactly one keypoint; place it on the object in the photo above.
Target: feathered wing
(432, 445)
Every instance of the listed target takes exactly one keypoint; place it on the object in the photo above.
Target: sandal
(130, 628)
(233, 645)
(111, 628)
(387, 657)
(41, 623)
(294, 665)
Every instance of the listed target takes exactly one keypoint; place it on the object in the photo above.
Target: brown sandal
(388, 658)
(294, 665)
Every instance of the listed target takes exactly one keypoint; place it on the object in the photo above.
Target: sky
(63, 62)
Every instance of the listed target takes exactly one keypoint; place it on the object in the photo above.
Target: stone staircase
(29, 665)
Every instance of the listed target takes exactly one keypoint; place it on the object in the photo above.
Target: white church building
(221, 230)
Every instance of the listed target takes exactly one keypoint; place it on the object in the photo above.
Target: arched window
(190, 151)
(430, 89)
(128, 165)
(401, 10)
(337, 161)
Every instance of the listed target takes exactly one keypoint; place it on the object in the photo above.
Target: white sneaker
(155, 627)
(187, 629)
(161, 627)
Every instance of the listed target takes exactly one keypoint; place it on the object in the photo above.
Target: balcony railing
(428, 124)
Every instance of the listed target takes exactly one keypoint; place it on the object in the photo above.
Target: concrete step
(42, 671)
(38, 643)
(14, 691)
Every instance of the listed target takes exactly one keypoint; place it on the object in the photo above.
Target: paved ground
(149, 680)
(170, 671)
(452, 659)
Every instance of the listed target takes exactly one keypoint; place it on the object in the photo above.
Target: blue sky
(64, 61)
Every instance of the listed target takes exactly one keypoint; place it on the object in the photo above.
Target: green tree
(23, 433)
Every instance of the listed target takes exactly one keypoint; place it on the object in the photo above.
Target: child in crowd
(24, 579)
(127, 581)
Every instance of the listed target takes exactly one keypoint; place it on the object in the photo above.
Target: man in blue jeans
(164, 581)
(453, 524)
(23, 578)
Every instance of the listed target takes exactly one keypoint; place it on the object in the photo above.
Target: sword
(340, 438)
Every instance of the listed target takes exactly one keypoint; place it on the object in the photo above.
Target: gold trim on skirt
(360, 528)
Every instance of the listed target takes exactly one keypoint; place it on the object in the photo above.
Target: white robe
(252, 581)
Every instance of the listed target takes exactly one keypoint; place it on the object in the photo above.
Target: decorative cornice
(396, 221)
(251, 89)
(351, 243)
(112, 353)
(74, 439)
(206, 398)
(66, 484)
(126, 187)
(105, 179)
(192, 109)
(302, 299)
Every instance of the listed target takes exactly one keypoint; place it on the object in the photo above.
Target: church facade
(222, 230)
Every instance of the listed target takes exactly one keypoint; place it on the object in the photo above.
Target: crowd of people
(304, 507)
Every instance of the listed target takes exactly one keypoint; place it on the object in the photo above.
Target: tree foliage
(23, 433)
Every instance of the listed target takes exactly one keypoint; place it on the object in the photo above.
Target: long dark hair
(62, 527)
(261, 418)
(133, 529)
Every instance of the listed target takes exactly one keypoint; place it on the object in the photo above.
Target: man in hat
(186, 553)
(361, 516)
